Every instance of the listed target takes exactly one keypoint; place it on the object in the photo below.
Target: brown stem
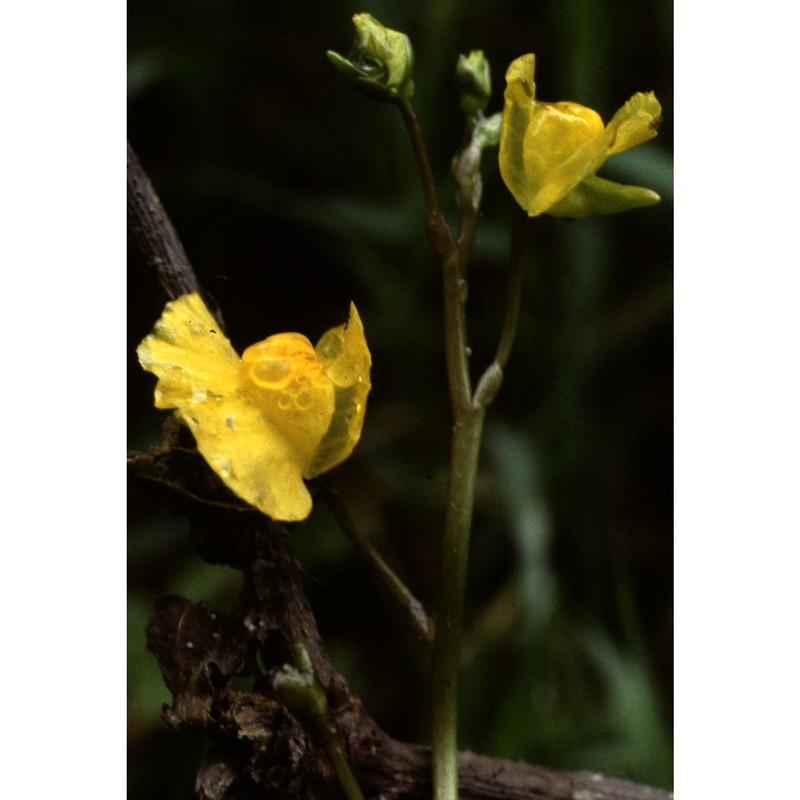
(436, 227)
(157, 239)
(415, 611)
(155, 235)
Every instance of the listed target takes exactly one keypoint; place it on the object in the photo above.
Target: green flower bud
(381, 61)
(298, 687)
(474, 82)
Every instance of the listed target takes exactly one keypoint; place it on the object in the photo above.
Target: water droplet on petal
(303, 401)
(271, 372)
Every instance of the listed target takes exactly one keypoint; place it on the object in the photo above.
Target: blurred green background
(294, 195)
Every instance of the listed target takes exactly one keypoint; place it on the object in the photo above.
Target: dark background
(294, 195)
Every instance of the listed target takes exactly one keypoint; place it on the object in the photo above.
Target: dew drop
(271, 372)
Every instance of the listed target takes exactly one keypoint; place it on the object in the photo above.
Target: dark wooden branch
(157, 239)
(260, 749)
(155, 235)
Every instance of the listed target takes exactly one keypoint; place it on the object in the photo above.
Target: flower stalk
(298, 688)
(415, 611)
(467, 431)
(469, 411)
(436, 227)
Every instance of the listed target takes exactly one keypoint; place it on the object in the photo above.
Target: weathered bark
(157, 239)
(260, 748)
(155, 235)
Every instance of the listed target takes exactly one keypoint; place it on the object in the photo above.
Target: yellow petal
(636, 122)
(199, 375)
(285, 380)
(520, 75)
(545, 148)
(344, 355)
(564, 143)
(252, 456)
(187, 353)
(519, 104)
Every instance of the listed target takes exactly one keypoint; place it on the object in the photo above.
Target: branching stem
(468, 416)
(489, 383)
(436, 227)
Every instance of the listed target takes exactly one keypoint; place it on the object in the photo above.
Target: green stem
(467, 428)
(468, 416)
(514, 296)
(489, 383)
(333, 747)
(452, 584)
(299, 690)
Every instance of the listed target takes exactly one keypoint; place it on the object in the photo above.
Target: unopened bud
(474, 82)
(381, 61)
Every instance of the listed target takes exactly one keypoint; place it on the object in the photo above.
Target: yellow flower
(282, 412)
(549, 152)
